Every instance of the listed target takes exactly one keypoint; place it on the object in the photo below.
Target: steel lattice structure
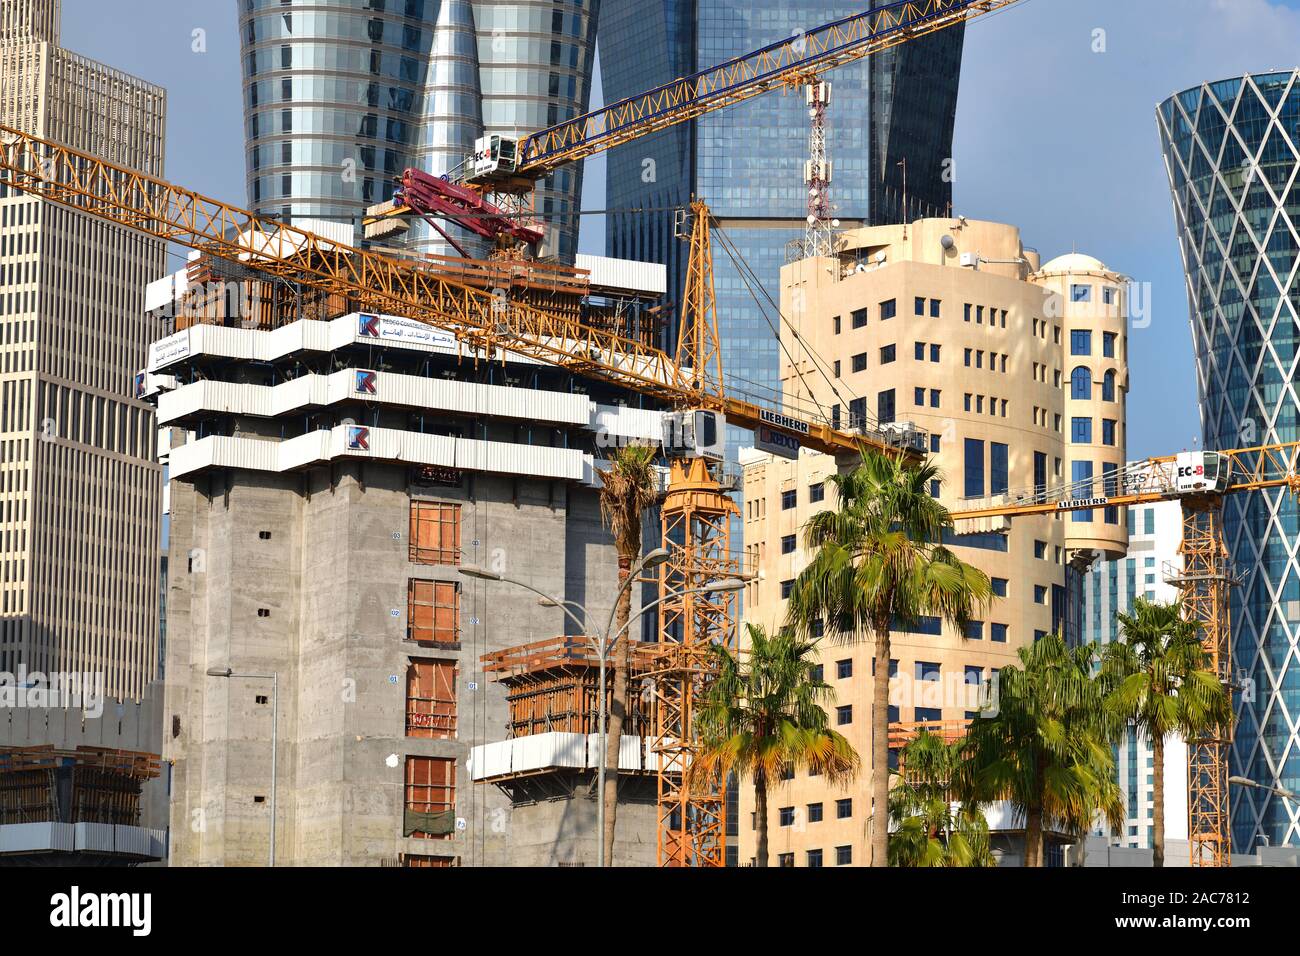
(1232, 152)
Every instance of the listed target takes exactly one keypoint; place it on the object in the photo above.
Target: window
(844, 668)
(1040, 594)
(844, 714)
(433, 612)
(918, 396)
(1081, 475)
(967, 357)
(999, 587)
(1080, 293)
(785, 816)
(1081, 430)
(859, 318)
(837, 368)
(859, 362)
(888, 309)
(787, 544)
(785, 860)
(843, 855)
(1108, 344)
(974, 468)
(966, 311)
(844, 808)
(1040, 549)
(920, 305)
(1081, 384)
(999, 483)
(974, 630)
(886, 411)
(789, 499)
(1108, 387)
(1081, 342)
(934, 444)
(918, 351)
(836, 323)
(998, 633)
(814, 813)
(787, 588)
(817, 492)
(934, 353)
(934, 397)
(887, 354)
(431, 699)
(435, 533)
(430, 797)
(935, 305)
(814, 859)
(1107, 431)
(858, 413)
(817, 673)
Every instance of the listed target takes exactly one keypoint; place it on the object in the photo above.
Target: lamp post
(274, 678)
(601, 642)
(1255, 785)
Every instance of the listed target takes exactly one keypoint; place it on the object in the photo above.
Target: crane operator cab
(495, 157)
(1200, 472)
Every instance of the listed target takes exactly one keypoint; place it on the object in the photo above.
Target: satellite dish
(947, 242)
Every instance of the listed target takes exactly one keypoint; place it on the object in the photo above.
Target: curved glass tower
(341, 95)
(1232, 150)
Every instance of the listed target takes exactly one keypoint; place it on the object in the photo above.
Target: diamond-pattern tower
(1231, 152)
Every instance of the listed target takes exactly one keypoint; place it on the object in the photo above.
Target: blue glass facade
(340, 96)
(747, 162)
(1230, 148)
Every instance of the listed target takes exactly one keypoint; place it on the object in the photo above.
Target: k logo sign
(367, 382)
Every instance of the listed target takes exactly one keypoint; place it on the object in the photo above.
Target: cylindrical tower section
(1230, 149)
(1088, 302)
(536, 58)
(332, 98)
(453, 117)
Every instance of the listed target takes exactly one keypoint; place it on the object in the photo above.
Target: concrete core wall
(322, 603)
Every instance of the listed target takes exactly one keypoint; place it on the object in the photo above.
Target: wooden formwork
(85, 785)
(554, 686)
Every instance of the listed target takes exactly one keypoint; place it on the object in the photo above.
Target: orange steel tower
(1204, 581)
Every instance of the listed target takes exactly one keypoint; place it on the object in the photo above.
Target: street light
(1255, 785)
(601, 643)
(274, 678)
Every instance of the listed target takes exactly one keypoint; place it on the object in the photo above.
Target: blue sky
(1051, 136)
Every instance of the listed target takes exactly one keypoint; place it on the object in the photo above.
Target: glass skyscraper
(1231, 152)
(341, 95)
(891, 116)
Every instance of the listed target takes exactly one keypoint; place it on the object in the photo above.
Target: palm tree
(880, 562)
(628, 488)
(1160, 684)
(928, 831)
(1047, 750)
(765, 715)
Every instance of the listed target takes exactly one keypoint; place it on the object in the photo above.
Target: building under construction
(330, 471)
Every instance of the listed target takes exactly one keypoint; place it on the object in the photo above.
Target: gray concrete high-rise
(341, 96)
(1230, 148)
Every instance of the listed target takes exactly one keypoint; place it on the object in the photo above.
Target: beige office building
(1013, 374)
(80, 492)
